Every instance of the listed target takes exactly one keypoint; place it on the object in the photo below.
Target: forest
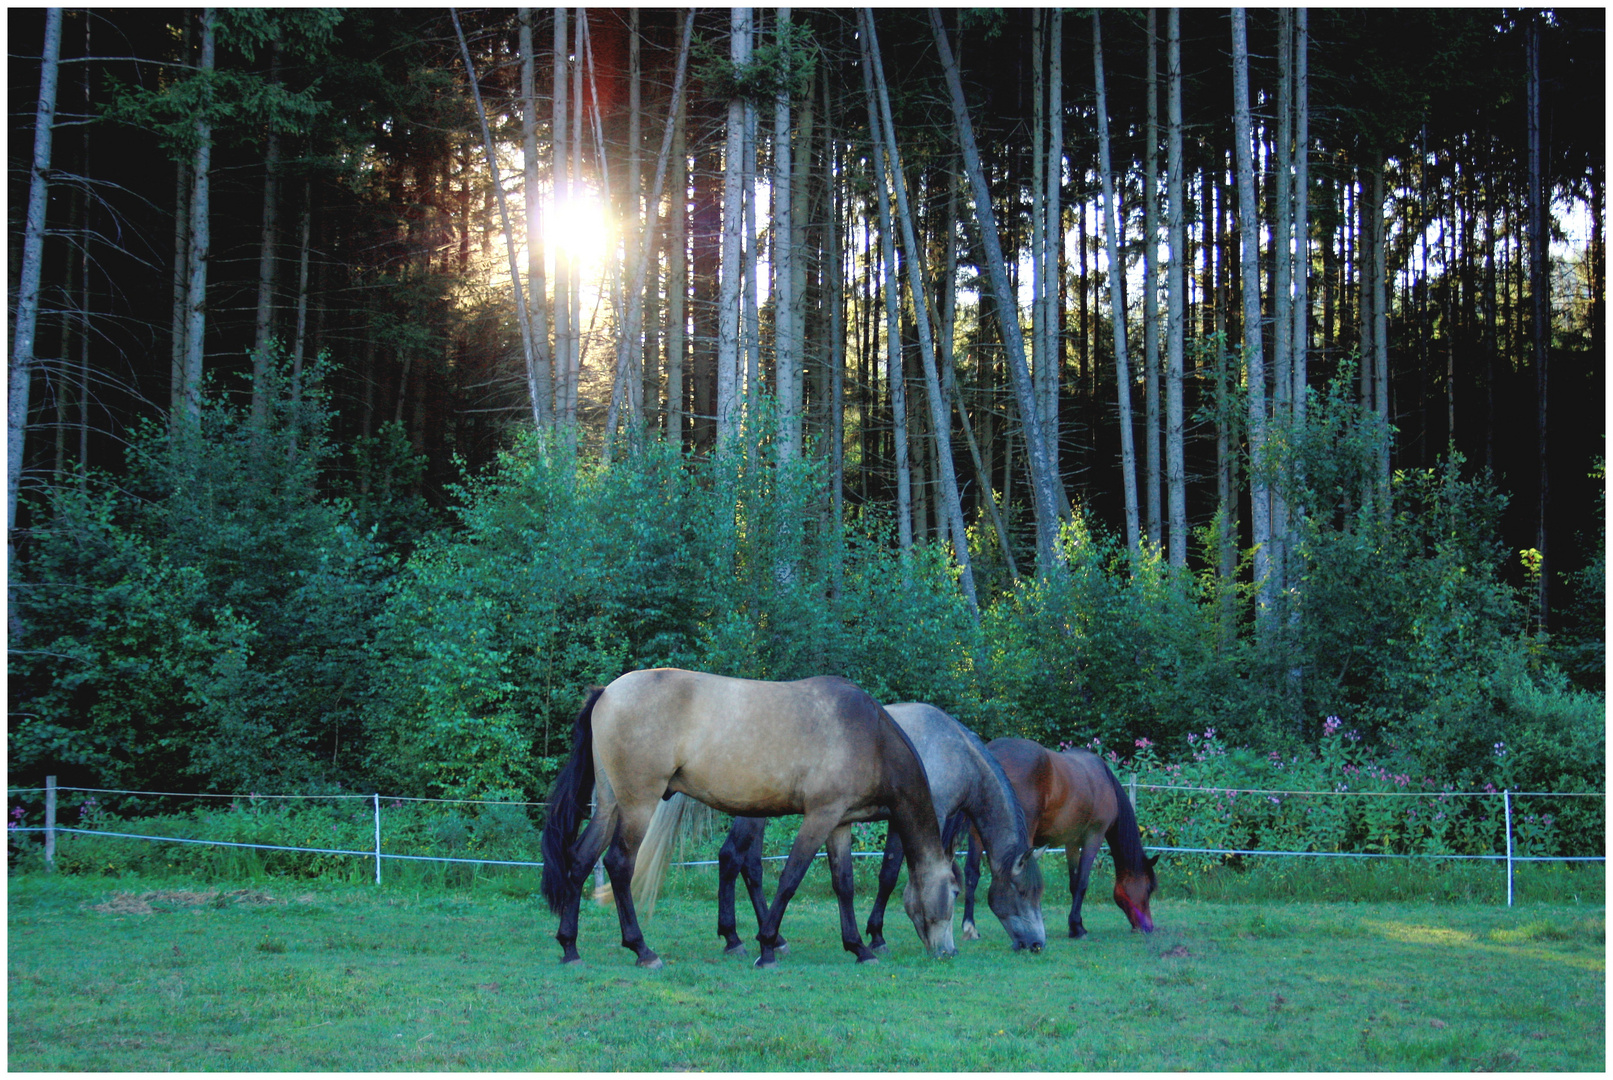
(381, 379)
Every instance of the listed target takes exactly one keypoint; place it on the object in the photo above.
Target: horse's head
(1132, 890)
(1016, 898)
(928, 899)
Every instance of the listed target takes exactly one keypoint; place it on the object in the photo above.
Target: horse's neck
(995, 811)
(1125, 840)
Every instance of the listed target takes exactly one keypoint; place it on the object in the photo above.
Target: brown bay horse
(1072, 800)
(819, 747)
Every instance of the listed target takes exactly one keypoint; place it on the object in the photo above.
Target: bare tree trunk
(893, 321)
(1051, 345)
(677, 254)
(267, 257)
(733, 217)
(1249, 226)
(523, 318)
(834, 290)
(940, 414)
(786, 348)
(1151, 284)
(1175, 457)
(190, 404)
(532, 197)
(565, 400)
(1117, 302)
(1282, 279)
(1302, 188)
(26, 320)
(1044, 480)
(1539, 305)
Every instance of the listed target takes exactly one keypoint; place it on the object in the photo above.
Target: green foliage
(205, 624)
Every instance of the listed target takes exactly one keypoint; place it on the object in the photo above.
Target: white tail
(655, 853)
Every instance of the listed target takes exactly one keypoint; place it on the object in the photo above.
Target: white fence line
(51, 829)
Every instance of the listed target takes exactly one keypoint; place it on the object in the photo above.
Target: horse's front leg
(971, 879)
(845, 884)
(1080, 863)
(815, 829)
(890, 868)
(619, 860)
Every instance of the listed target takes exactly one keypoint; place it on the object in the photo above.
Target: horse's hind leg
(845, 884)
(619, 860)
(890, 868)
(741, 856)
(1080, 875)
(587, 850)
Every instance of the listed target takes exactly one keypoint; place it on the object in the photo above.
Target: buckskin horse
(1072, 799)
(819, 747)
(965, 780)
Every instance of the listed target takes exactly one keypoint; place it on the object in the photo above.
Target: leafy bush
(201, 625)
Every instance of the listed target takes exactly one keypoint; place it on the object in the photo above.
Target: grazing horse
(1072, 799)
(819, 747)
(964, 779)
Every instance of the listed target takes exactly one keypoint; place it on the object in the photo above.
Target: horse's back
(943, 745)
(743, 746)
(1063, 793)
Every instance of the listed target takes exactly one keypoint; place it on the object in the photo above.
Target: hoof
(782, 949)
(652, 963)
(882, 948)
(868, 959)
(969, 933)
(571, 961)
(1078, 932)
(735, 950)
(766, 965)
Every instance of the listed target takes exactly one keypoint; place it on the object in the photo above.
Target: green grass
(138, 975)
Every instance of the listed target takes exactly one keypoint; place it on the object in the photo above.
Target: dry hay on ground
(153, 902)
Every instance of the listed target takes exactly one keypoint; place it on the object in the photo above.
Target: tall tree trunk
(677, 267)
(189, 407)
(834, 294)
(893, 321)
(1249, 226)
(940, 414)
(1539, 306)
(1380, 327)
(1281, 304)
(26, 319)
(267, 258)
(1053, 245)
(786, 348)
(1044, 480)
(532, 198)
(1175, 287)
(523, 318)
(1299, 370)
(1151, 283)
(1117, 302)
(565, 401)
(733, 217)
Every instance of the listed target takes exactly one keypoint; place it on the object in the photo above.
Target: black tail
(568, 805)
(1125, 838)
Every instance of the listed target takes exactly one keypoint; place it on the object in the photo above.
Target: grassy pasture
(132, 975)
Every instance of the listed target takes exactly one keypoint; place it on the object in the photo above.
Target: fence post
(377, 838)
(1506, 799)
(50, 824)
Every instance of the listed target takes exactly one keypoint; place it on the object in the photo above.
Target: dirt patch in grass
(159, 900)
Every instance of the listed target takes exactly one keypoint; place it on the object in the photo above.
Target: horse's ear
(1152, 861)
